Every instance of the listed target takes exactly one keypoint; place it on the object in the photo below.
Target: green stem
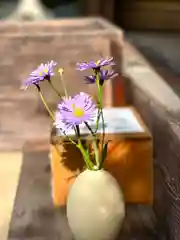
(46, 106)
(83, 151)
(55, 90)
(97, 120)
(99, 102)
(103, 135)
(95, 145)
(51, 113)
(100, 107)
(81, 148)
(63, 84)
(102, 116)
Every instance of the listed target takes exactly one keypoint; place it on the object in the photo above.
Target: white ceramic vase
(95, 206)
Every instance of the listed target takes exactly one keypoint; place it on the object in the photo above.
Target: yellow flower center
(78, 112)
(44, 71)
(98, 62)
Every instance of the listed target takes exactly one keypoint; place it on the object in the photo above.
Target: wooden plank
(35, 218)
(108, 9)
(10, 167)
(137, 68)
(152, 5)
(38, 145)
(91, 7)
(138, 15)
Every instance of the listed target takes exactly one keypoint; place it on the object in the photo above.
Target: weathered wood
(159, 106)
(23, 47)
(104, 8)
(10, 168)
(34, 215)
(138, 14)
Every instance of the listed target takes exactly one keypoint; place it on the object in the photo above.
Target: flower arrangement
(72, 111)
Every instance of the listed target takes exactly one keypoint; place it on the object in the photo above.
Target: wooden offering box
(129, 158)
(25, 45)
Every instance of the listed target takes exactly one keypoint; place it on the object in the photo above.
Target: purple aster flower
(74, 111)
(43, 72)
(104, 75)
(95, 65)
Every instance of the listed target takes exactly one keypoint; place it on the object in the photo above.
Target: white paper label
(117, 120)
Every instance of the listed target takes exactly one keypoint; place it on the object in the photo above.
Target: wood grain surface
(34, 216)
(10, 168)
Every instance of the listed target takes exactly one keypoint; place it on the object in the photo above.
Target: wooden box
(25, 45)
(129, 159)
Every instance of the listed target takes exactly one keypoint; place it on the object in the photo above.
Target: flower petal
(67, 110)
(41, 73)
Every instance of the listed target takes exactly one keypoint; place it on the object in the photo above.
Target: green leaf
(104, 154)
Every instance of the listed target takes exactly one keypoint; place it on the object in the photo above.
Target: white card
(117, 120)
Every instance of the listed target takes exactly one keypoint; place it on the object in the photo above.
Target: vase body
(95, 206)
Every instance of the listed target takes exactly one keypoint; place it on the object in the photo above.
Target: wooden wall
(148, 14)
(104, 8)
(136, 14)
